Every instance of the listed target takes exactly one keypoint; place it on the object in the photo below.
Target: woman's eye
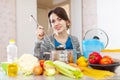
(40, 28)
(59, 19)
(53, 21)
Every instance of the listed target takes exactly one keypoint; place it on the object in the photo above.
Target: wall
(108, 12)
(16, 24)
(26, 25)
(76, 18)
(7, 25)
(89, 15)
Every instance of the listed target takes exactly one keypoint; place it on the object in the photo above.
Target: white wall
(25, 25)
(108, 12)
(76, 18)
(7, 25)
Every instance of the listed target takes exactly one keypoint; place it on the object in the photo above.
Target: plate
(109, 67)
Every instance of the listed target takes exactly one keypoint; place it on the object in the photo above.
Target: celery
(68, 70)
(49, 68)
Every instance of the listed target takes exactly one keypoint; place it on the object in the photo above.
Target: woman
(60, 24)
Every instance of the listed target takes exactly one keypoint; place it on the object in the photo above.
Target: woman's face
(58, 24)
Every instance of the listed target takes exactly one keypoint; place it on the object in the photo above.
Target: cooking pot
(67, 56)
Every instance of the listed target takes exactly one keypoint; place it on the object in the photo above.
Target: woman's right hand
(40, 32)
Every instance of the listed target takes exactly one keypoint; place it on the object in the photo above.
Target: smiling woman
(60, 23)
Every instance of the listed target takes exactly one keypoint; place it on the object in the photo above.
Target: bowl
(108, 67)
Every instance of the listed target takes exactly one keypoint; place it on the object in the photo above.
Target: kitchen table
(42, 77)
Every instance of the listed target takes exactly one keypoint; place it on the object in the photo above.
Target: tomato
(41, 62)
(94, 58)
(37, 70)
(106, 60)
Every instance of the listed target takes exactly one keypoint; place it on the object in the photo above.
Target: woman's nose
(56, 22)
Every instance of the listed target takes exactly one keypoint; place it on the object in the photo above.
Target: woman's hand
(40, 32)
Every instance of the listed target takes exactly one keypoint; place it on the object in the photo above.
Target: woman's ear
(68, 24)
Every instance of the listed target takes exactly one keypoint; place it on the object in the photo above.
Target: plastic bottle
(12, 69)
(11, 51)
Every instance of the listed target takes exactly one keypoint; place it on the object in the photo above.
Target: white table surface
(41, 77)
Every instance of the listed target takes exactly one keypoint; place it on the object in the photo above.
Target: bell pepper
(94, 58)
(82, 61)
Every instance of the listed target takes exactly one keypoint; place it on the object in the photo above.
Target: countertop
(41, 77)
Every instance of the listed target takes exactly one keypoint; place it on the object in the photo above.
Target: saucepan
(67, 56)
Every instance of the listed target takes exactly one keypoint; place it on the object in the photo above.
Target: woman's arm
(39, 38)
(37, 49)
(76, 45)
(41, 46)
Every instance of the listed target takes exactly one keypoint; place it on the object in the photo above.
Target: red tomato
(106, 60)
(41, 62)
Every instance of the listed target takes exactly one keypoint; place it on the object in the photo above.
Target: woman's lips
(58, 27)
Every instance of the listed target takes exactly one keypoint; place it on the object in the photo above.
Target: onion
(37, 70)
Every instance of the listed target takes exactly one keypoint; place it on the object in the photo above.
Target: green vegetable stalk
(49, 68)
(68, 70)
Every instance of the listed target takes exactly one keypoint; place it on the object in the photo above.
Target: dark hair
(60, 12)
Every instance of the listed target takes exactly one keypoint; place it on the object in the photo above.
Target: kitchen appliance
(95, 39)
